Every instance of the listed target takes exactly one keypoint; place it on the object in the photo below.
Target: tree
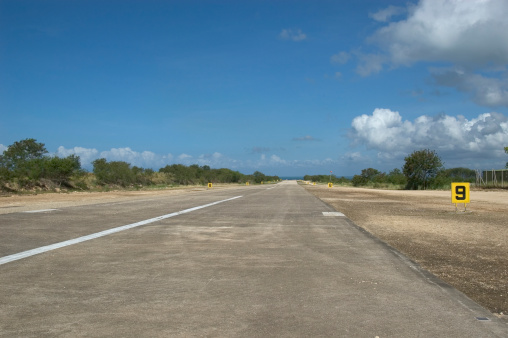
(17, 155)
(258, 177)
(421, 167)
(27, 162)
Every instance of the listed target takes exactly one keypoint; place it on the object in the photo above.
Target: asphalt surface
(268, 263)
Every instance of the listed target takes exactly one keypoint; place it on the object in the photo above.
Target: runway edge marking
(28, 253)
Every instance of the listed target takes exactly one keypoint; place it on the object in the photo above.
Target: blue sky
(283, 87)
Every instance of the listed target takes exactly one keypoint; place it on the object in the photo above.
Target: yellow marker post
(247, 183)
(313, 183)
(330, 185)
(460, 194)
(209, 185)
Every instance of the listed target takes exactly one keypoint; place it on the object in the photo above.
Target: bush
(359, 180)
(115, 172)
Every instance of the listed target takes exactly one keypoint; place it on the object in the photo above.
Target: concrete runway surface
(267, 263)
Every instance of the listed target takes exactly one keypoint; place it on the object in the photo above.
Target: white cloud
(86, 155)
(386, 14)
(274, 159)
(2, 148)
(145, 159)
(451, 137)
(293, 35)
(354, 157)
(340, 58)
(468, 33)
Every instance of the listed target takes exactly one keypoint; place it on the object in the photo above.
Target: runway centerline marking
(28, 253)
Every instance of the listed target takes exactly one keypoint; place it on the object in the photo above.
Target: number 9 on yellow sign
(460, 193)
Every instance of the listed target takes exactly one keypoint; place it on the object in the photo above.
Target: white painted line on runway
(34, 211)
(328, 213)
(46, 248)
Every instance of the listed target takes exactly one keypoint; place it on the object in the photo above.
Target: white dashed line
(46, 248)
(34, 211)
(328, 213)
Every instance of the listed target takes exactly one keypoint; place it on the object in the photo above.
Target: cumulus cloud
(86, 155)
(145, 159)
(213, 160)
(453, 137)
(128, 155)
(468, 33)
(2, 148)
(293, 35)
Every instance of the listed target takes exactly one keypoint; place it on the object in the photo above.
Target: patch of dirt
(468, 250)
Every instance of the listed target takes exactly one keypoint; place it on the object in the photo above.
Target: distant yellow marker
(330, 185)
(247, 183)
(209, 185)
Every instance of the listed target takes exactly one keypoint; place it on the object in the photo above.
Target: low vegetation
(27, 166)
(423, 169)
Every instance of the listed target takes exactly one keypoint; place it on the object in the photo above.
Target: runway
(256, 261)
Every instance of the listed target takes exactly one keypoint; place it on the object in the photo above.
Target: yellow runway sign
(460, 193)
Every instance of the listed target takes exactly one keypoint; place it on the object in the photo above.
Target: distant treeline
(396, 179)
(26, 165)
(423, 169)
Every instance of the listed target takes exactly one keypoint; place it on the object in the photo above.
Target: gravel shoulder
(468, 250)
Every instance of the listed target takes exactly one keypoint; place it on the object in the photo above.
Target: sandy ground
(468, 250)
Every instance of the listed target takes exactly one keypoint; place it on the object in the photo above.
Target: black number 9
(460, 191)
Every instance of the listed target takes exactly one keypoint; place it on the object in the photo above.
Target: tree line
(26, 164)
(423, 169)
